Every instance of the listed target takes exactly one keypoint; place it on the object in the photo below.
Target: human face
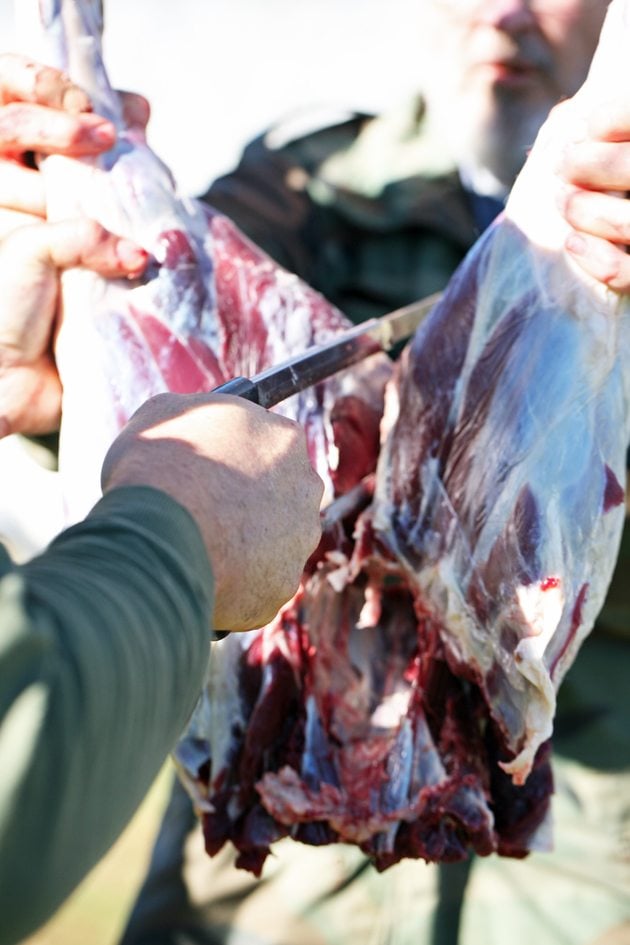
(504, 64)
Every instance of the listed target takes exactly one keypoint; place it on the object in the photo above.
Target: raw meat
(501, 486)
(210, 307)
(403, 700)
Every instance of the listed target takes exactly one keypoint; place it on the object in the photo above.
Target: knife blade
(319, 362)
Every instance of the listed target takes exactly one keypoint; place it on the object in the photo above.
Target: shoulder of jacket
(315, 126)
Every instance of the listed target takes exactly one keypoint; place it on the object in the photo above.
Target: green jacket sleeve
(104, 640)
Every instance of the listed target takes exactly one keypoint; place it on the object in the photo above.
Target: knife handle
(239, 387)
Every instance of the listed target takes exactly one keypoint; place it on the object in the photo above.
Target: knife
(274, 385)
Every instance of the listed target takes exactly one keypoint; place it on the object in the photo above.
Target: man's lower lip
(503, 74)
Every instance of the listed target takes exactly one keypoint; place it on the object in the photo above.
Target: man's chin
(500, 143)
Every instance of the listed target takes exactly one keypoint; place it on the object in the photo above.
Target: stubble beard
(500, 139)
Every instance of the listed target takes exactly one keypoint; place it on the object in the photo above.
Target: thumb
(83, 243)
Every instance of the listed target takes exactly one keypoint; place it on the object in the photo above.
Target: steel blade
(296, 374)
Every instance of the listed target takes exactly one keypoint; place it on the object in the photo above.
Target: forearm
(104, 645)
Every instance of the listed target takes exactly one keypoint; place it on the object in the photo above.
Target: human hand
(30, 260)
(596, 206)
(43, 112)
(244, 475)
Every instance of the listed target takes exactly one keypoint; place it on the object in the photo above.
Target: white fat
(371, 610)
(391, 409)
(542, 608)
(391, 710)
(340, 577)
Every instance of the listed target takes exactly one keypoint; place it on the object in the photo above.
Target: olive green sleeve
(104, 640)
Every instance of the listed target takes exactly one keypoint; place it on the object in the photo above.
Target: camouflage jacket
(363, 209)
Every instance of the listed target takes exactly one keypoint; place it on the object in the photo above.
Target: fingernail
(99, 131)
(132, 256)
(575, 244)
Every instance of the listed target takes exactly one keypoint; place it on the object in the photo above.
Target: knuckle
(50, 85)
(14, 119)
(6, 428)
(92, 233)
(314, 542)
(622, 228)
(317, 485)
(275, 602)
(573, 206)
(575, 159)
(162, 400)
(609, 119)
(610, 270)
(617, 277)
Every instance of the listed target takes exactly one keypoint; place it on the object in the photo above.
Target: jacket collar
(395, 172)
